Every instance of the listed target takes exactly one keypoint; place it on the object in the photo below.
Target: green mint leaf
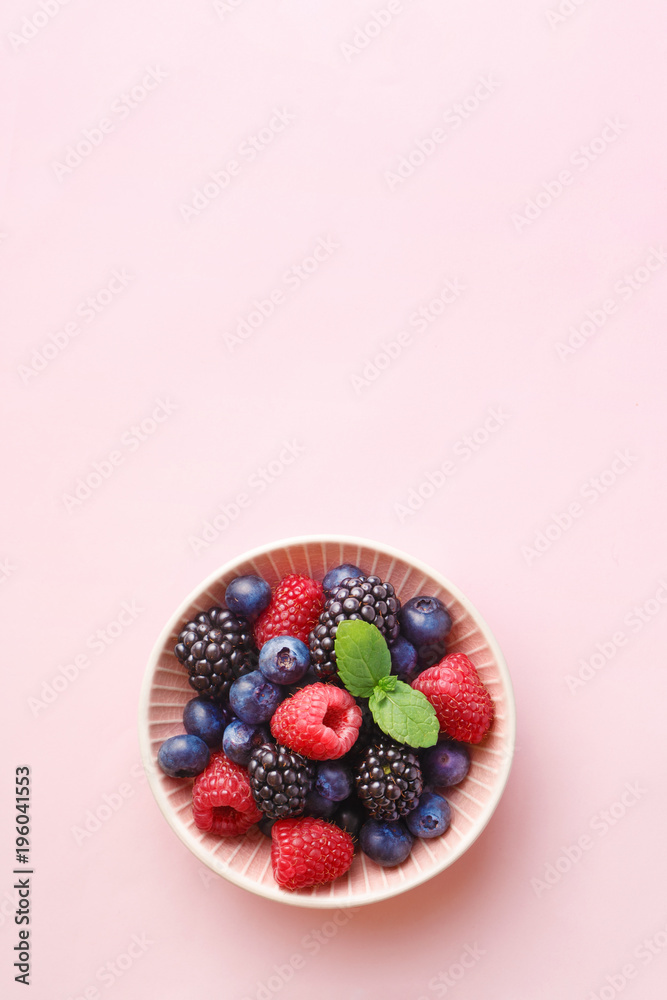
(406, 715)
(387, 683)
(362, 657)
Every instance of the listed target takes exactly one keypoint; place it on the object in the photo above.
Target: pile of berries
(280, 733)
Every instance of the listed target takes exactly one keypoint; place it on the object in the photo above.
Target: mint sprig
(407, 718)
(362, 657)
(364, 666)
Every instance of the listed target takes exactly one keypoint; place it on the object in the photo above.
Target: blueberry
(205, 719)
(350, 816)
(335, 576)
(404, 660)
(333, 780)
(308, 678)
(253, 698)
(284, 659)
(317, 805)
(446, 763)
(386, 843)
(430, 654)
(248, 596)
(431, 817)
(266, 826)
(241, 738)
(183, 756)
(424, 620)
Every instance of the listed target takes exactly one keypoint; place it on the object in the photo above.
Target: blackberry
(280, 780)
(364, 597)
(388, 780)
(216, 648)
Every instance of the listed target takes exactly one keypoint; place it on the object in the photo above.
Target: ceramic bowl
(246, 860)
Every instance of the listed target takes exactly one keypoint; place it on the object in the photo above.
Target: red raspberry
(295, 607)
(320, 721)
(309, 851)
(222, 801)
(462, 704)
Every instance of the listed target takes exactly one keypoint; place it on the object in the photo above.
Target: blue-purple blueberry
(248, 596)
(183, 756)
(430, 654)
(335, 576)
(241, 738)
(265, 825)
(254, 698)
(387, 844)
(404, 660)
(333, 780)
(205, 719)
(445, 764)
(317, 805)
(424, 620)
(310, 677)
(431, 817)
(350, 816)
(284, 659)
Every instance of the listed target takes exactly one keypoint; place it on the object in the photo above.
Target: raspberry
(222, 801)
(462, 704)
(320, 721)
(294, 609)
(308, 851)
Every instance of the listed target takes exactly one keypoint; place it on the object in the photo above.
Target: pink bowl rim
(274, 892)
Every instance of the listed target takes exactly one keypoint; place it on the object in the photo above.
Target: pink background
(533, 257)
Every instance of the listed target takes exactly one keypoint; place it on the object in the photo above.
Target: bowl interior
(246, 860)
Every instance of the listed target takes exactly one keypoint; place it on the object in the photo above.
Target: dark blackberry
(216, 648)
(388, 780)
(280, 780)
(365, 597)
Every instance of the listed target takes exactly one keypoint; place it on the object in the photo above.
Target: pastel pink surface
(478, 388)
(246, 860)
